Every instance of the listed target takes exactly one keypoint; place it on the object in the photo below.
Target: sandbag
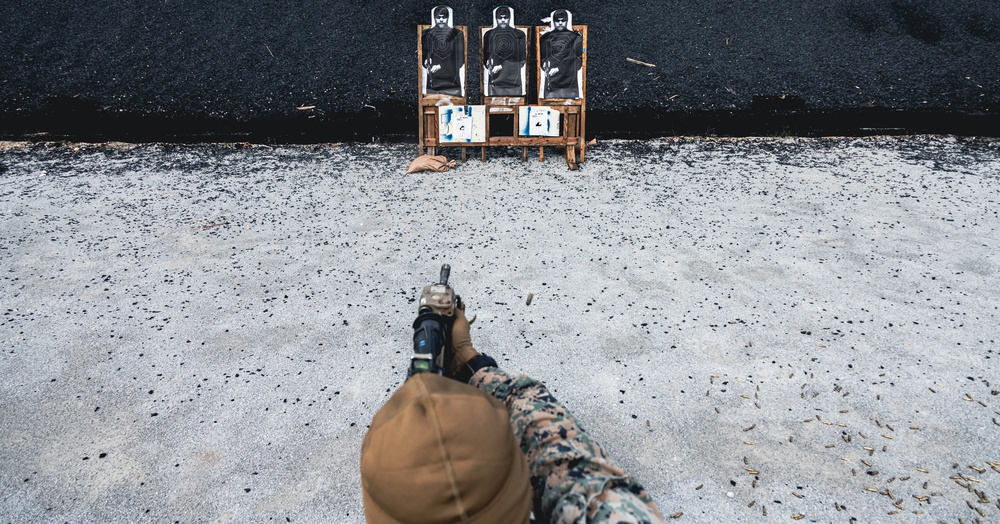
(430, 163)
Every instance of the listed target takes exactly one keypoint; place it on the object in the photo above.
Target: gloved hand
(461, 340)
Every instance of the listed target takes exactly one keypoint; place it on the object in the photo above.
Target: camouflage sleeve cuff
(501, 384)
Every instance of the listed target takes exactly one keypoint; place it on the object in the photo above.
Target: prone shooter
(463, 441)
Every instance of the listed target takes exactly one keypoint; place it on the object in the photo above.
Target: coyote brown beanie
(443, 451)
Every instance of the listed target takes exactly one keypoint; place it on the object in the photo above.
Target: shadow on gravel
(768, 116)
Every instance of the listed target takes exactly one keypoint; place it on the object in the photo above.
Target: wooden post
(583, 100)
(420, 90)
(571, 157)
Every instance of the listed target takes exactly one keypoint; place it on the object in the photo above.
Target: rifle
(432, 351)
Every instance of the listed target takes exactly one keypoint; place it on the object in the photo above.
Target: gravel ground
(757, 329)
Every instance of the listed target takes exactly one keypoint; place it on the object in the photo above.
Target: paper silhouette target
(505, 49)
(560, 58)
(443, 51)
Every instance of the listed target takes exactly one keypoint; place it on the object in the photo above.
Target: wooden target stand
(572, 113)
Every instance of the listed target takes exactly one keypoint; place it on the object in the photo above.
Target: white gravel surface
(758, 329)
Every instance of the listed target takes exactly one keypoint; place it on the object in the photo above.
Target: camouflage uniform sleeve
(572, 479)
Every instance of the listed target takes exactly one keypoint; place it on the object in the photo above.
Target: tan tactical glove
(461, 340)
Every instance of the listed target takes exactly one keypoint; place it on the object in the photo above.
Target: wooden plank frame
(573, 110)
(577, 127)
(504, 105)
(427, 127)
